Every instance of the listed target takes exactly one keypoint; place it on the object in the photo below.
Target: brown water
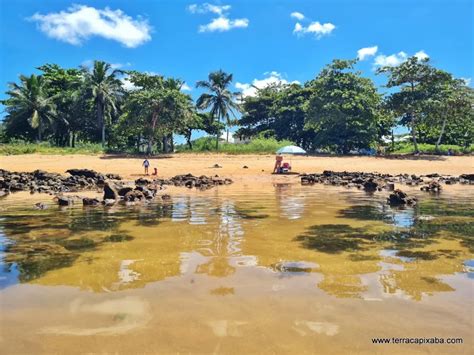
(266, 269)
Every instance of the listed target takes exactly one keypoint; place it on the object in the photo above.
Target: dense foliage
(338, 111)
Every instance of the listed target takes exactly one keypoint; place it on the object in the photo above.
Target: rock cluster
(42, 181)
(200, 182)
(377, 181)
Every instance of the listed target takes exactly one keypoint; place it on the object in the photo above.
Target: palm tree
(105, 89)
(29, 98)
(219, 99)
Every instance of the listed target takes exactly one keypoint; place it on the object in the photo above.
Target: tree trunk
(165, 144)
(101, 121)
(443, 127)
(188, 140)
(39, 131)
(413, 132)
(227, 138)
(150, 145)
(171, 143)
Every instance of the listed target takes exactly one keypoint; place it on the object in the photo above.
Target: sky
(259, 41)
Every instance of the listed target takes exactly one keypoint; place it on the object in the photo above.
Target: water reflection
(353, 247)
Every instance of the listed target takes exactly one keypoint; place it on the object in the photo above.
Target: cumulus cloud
(80, 22)
(222, 22)
(316, 28)
(366, 52)
(206, 7)
(390, 60)
(127, 84)
(467, 81)
(397, 58)
(272, 78)
(421, 55)
(185, 87)
(297, 15)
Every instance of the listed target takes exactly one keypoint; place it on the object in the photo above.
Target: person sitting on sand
(278, 161)
(146, 164)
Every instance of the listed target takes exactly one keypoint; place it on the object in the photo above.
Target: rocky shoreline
(372, 182)
(113, 187)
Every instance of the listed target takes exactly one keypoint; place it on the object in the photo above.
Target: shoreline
(232, 166)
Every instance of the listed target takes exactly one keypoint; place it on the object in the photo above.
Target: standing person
(146, 164)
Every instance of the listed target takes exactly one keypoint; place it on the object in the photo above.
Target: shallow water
(265, 269)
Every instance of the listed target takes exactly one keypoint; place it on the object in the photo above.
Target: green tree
(65, 88)
(448, 106)
(219, 99)
(344, 108)
(412, 78)
(105, 89)
(28, 101)
(157, 107)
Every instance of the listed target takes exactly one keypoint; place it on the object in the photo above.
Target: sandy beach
(259, 166)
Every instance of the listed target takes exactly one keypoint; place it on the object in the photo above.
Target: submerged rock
(433, 186)
(398, 197)
(86, 201)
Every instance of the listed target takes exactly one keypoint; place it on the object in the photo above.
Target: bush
(407, 148)
(17, 147)
(256, 146)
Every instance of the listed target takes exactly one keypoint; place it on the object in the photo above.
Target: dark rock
(433, 186)
(110, 191)
(398, 197)
(468, 177)
(84, 172)
(123, 191)
(217, 166)
(165, 197)
(142, 181)
(86, 201)
(370, 185)
(245, 167)
(64, 201)
(113, 176)
(134, 195)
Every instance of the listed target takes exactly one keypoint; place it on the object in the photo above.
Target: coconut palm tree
(29, 99)
(105, 89)
(220, 100)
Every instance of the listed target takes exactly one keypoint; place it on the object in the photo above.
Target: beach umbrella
(291, 149)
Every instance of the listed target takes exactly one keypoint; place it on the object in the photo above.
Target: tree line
(339, 110)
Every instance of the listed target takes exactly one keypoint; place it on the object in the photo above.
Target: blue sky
(256, 40)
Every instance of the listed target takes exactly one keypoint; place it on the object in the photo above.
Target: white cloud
(185, 87)
(391, 60)
(297, 15)
(421, 55)
(273, 78)
(127, 84)
(316, 28)
(467, 81)
(79, 22)
(206, 7)
(366, 52)
(221, 23)
(397, 58)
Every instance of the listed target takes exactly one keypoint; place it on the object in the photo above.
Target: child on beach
(146, 164)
